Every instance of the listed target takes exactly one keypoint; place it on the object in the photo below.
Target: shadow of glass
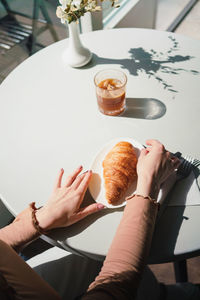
(144, 108)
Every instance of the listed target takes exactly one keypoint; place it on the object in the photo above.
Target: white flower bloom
(61, 14)
(77, 3)
(72, 10)
(64, 3)
(90, 6)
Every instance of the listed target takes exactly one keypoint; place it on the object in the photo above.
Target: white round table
(49, 119)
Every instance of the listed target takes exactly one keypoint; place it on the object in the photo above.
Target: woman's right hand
(154, 165)
(63, 207)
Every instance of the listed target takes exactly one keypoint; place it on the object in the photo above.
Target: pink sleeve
(17, 279)
(126, 258)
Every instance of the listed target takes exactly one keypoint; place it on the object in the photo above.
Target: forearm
(127, 255)
(20, 232)
(19, 281)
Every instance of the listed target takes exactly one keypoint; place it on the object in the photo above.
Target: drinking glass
(111, 91)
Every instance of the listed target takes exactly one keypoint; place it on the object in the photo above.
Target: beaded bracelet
(145, 197)
(34, 219)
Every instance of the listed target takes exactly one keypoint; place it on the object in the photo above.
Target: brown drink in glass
(110, 91)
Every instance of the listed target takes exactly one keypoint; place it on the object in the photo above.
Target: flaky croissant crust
(119, 170)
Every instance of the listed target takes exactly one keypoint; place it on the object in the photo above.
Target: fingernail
(88, 171)
(84, 172)
(100, 206)
(80, 167)
(62, 170)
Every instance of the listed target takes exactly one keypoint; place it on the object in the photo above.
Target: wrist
(147, 186)
(21, 231)
(43, 221)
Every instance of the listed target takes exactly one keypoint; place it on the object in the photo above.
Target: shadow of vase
(144, 108)
(150, 62)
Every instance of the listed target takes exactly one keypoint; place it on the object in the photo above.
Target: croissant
(119, 171)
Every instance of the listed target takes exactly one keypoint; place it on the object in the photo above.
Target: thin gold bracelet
(34, 219)
(145, 197)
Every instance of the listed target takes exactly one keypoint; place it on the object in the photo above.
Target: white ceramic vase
(76, 55)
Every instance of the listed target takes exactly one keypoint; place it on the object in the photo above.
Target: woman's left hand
(63, 207)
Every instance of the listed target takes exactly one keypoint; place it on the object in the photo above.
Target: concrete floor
(191, 24)
(170, 9)
(189, 27)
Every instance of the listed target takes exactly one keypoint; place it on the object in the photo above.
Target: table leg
(180, 269)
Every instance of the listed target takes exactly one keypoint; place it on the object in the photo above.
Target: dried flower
(71, 10)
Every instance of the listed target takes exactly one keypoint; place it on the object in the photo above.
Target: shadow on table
(166, 234)
(144, 108)
(64, 233)
(153, 63)
(166, 231)
(169, 223)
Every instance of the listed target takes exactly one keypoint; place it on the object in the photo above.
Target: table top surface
(49, 119)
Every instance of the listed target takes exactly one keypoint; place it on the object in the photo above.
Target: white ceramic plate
(96, 186)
